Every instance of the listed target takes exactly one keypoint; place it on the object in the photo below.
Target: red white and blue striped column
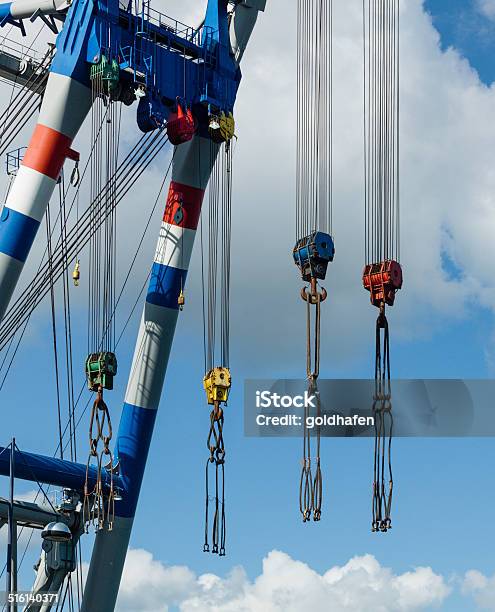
(192, 167)
(66, 103)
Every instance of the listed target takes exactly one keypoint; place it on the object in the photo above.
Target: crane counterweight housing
(312, 254)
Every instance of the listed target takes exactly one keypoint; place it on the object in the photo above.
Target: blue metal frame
(53, 471)
(169, 58)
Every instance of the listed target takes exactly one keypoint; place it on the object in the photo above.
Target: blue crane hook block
(313, 253)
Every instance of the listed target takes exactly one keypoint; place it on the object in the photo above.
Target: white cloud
(487, 8)
(147, 584)
(481, 587)
(285, 585)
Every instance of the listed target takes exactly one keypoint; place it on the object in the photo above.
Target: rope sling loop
(310, 489)
(382, 412)
(216, 448)
(94, 511)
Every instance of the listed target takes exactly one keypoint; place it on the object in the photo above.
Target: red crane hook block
(382, 280)
(181, 125)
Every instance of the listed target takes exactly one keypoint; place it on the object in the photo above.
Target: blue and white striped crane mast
(180, 75)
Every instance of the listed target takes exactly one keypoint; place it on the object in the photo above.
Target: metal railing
(18, 50)
(150, 16)
(13, 160)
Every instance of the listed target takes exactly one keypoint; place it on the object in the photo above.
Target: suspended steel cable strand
(382, 275)
(101, 363)
(19, 340)
(129, 170)
(217, 379)
(121, 292)
(54, 331)
(314, 248)
(102, 211)
(69, 374)
(29, 290)
(75, 235)
(63, 221)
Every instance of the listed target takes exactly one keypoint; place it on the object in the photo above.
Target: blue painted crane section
(53, 471)
(163, 57)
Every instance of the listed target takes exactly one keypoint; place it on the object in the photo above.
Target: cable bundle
(217, 380)
(381, 130)
(314, 248)
(382, 275)
(314, 117)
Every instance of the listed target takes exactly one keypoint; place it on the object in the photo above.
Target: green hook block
(100, 370)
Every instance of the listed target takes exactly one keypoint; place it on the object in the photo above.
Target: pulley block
(217, 384)
(382, 280)
(312, 254)
(109, 71)
(181, 125)
(221, 127)
(100, 370)
(151, 113)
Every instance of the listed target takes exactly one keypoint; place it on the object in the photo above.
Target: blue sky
(462, 25)
(444, 496)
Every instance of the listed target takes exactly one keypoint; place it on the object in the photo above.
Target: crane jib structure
(151, 48)
(163, 65)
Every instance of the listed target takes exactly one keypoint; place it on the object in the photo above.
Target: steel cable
(382, 218)
(217, 290)
(126, 176)
(314, 202)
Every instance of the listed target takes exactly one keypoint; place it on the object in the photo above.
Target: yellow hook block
(222, 127)
(217, 384)
(227, 126)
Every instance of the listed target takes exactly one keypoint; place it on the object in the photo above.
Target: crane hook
(314, 296)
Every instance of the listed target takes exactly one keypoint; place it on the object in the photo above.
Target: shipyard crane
(184, 82)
